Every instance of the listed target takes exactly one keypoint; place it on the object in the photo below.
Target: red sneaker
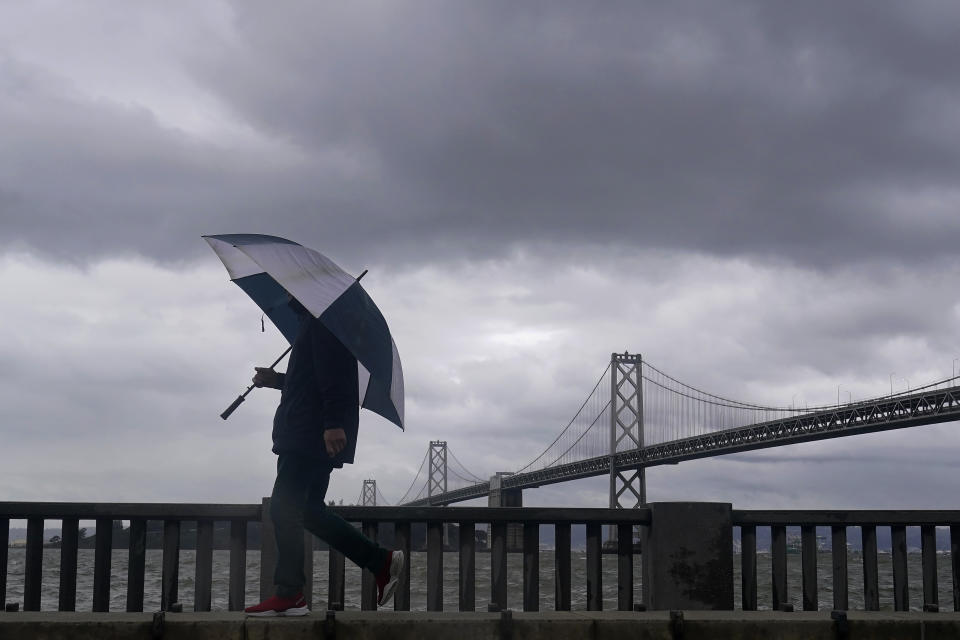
(277, 606)
(389, 577)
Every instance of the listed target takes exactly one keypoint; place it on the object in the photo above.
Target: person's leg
(337, 532)
(286, 511)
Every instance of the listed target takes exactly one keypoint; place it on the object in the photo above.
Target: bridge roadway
(879, 414)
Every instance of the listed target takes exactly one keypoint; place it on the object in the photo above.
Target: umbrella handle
(232, 407)
(236, 403)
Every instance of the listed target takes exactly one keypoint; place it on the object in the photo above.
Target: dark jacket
(319, 392)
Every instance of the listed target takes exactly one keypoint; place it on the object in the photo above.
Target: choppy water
(418, 594)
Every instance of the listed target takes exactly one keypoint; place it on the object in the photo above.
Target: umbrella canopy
(270, 269)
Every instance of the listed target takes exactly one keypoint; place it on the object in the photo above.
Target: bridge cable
(731, 404)
(464, 467)
(592, 425)
(467, 480)
(425, 456)
(569, 424)
(735, 404)
(422, 490)
(383, 497)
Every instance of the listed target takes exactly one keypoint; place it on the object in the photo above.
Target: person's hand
(336, 441)
(266, 378)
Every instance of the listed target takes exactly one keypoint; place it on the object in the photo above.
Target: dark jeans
(298, 502)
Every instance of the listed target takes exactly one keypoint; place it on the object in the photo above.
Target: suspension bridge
(637, 416)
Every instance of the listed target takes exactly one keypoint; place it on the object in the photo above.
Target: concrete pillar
(688, 556)
(500, 497)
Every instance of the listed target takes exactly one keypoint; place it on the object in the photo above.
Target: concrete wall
(392, 625)
(688, 557)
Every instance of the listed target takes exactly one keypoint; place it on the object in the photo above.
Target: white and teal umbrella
(270, 269)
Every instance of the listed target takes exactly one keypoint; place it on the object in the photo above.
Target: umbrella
(271, 269)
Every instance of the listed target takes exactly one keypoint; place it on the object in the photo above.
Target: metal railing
(507, 522)
(239, 516)
(172, 515)
(839, 521)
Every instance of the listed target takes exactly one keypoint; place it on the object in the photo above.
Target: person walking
(314, 432)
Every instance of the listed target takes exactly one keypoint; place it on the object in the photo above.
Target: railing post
(236, 600)
(368, 585)
(748, 566)
(688, 557)
(955, 563)
(531, 566)
(871, 589)
(268, 551)
(203, 567)
(778, 566)
(336, 580)
(928, 550)
(594, 568)
(808, 563)
(308, 567)
(4, 545)
(401, 600)
(467, 569)
(901, 593)
(171, 564)
(136, 564)
(562, 566)
(434, 565)
(101, 564)
(33, 566)
(69, 539)
(498, 564)
(625, 567)
(841, 600)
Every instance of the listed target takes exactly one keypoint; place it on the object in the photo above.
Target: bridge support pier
(500, 497)
(687, 559)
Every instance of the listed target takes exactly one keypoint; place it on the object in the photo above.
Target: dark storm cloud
(817, 132)
(741, 128)
(88, 177)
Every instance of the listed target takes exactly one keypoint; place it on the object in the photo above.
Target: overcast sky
(762, 198)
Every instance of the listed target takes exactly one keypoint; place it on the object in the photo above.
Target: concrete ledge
(577, 625)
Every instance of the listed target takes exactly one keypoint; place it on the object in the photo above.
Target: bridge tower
(628, 485)
(369, 496)
(437, 478)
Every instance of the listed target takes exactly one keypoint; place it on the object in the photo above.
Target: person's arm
(268, 378)
(336, 371)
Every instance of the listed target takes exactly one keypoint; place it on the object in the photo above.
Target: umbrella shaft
(277, 361)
